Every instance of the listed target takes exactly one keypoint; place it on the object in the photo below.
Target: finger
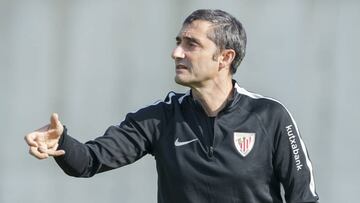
(34, 152)
(55, 153)
(42, 149)
(54, 121)
(30, 139)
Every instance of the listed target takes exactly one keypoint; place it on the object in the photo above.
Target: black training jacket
(240, 156)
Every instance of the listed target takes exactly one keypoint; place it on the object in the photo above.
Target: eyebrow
(191, 39)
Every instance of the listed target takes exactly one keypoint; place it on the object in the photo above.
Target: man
(215, 143)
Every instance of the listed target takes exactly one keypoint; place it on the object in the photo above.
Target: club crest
(244, 142)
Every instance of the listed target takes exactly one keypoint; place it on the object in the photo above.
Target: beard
(181, 81)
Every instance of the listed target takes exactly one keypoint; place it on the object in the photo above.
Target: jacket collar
(231, 102)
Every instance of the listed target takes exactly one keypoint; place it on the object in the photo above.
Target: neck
(213, 96)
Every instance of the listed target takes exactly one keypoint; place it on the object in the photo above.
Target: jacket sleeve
(120, 145)
(291, 161)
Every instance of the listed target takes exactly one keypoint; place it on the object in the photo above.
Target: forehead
(196, 29)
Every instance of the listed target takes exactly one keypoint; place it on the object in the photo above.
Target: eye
(178, 41)
(192, 44)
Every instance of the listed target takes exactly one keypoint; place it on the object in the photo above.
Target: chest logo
(178, 143)
(244, 142)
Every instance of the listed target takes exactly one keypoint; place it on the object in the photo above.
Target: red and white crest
(244, 142)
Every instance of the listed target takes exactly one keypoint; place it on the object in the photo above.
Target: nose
(178, 53)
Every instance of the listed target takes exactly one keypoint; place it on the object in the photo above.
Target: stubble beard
(180, 81)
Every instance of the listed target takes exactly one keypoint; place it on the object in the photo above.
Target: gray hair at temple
(227, 32)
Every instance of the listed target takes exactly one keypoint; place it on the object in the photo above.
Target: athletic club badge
(244, 142)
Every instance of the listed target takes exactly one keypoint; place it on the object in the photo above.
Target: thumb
(54, 121)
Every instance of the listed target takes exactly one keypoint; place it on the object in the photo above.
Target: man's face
(194, 55)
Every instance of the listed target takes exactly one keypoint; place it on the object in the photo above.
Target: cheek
(203, 62)
(210, 61)
(205, 68)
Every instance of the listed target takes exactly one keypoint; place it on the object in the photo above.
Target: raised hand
(44, 141)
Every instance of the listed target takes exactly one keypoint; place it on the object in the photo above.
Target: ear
(226, 58)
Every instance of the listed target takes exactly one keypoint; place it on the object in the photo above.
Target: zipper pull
(211, 151)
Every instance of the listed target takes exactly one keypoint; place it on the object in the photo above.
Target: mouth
(180, 67)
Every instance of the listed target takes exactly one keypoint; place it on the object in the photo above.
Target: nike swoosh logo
(178, 143)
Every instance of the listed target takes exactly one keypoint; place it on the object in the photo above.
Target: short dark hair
(227, 32)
